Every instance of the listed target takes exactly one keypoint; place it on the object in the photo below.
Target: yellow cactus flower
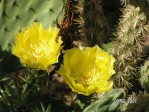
(36, 47)
(87, 70)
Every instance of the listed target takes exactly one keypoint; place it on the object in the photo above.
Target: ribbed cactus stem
(92, 23)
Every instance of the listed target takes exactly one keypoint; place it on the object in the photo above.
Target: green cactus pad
(15, 14)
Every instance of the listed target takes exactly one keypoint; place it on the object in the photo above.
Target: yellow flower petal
(36, 47)
(87, 70)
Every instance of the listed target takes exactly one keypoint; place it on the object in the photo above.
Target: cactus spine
(144, 79)
(91, 21)
(128, 45)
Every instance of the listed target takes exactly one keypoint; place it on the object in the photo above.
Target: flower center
(38, 50)
(86, 75)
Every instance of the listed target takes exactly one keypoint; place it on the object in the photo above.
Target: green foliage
(79, 105)
(15, 14)
(42, 109)
(28, 91)
(16, 94)
(144, 79)
(9, 95)
(7, 92)
(109, 102)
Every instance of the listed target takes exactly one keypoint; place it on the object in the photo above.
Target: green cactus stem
(108, 103)
(91, 22)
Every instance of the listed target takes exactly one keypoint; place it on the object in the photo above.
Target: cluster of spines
(129, 45)
(144, 78)
(91, 22)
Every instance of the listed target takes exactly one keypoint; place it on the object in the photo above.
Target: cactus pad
(15, 14)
